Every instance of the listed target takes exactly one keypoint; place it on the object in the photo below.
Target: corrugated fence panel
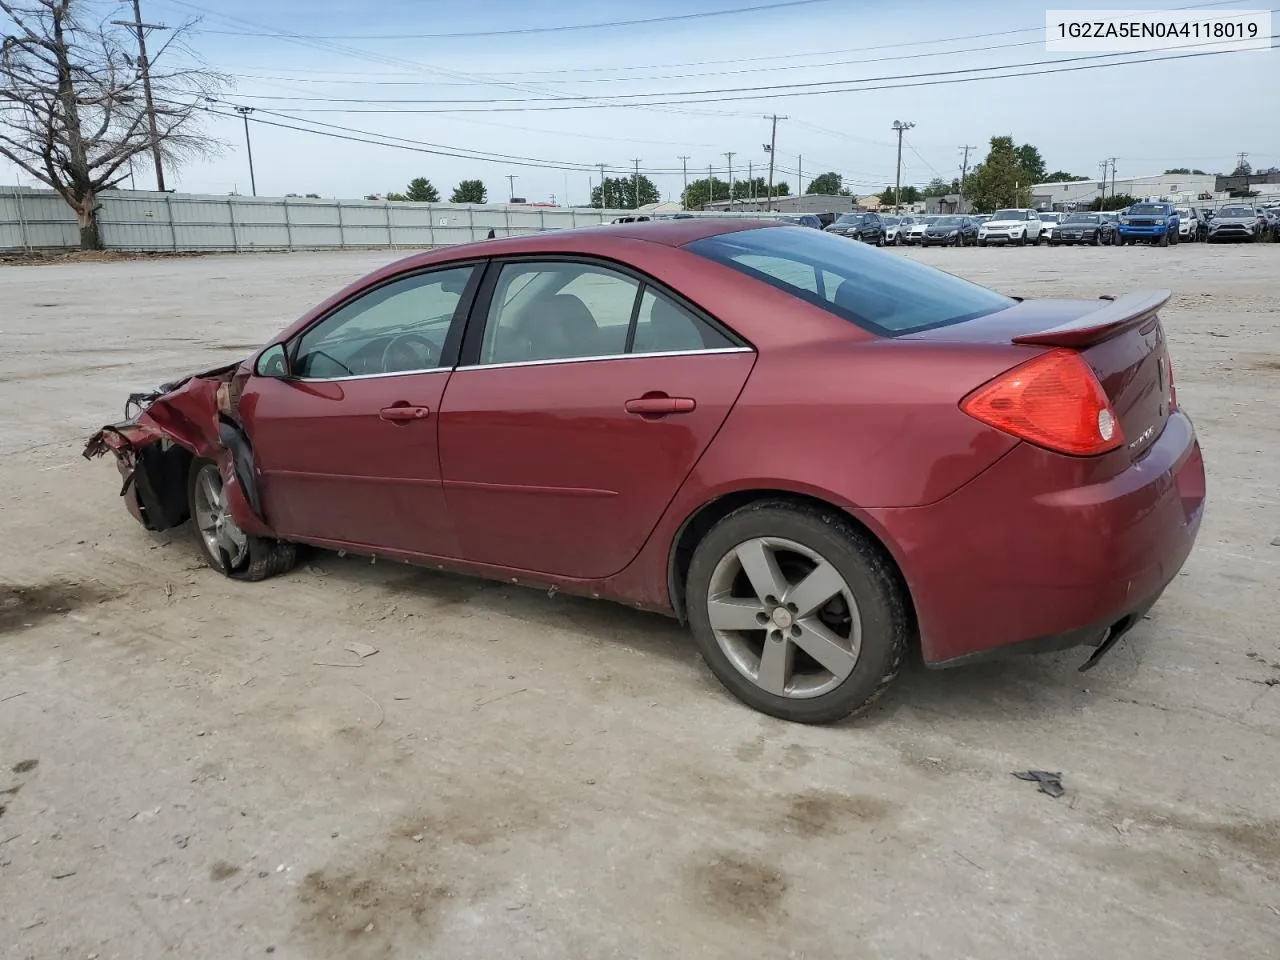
(146, 220)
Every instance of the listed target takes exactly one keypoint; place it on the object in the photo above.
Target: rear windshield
(878, 291)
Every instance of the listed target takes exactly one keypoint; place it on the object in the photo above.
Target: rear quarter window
(881, 292)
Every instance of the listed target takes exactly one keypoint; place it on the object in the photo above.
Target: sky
(518, 78)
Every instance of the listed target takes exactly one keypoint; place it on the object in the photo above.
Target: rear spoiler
(1113, 319)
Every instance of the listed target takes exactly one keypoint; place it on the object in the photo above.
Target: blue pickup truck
(1155, 222)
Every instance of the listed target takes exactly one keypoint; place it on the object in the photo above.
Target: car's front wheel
(226, 547)
(796, 611)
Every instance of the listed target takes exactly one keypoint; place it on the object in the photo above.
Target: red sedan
(814, 452)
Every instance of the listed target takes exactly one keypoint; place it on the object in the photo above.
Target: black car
(951, 232)
(804, 220)
(866, 227)
(1091, 228)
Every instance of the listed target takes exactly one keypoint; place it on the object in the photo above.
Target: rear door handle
(660, 406)
(401, 413)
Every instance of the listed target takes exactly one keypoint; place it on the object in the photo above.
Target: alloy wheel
(222, 537)
(785, 617)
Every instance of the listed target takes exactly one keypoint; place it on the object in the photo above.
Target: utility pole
(511, 179)
(1113, 176)
(902, 128)
(1102, 165)
(684, 169)
(603, 203)
(729, 157)
(964, 169)
(144, 69)
(635, 188)
(751, 177)
(773, 145)
(248, 145)
(800, 175)
(711, 185)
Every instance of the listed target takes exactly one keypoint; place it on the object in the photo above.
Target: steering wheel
(415, 352)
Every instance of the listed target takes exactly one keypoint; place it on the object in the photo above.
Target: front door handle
(403, 412)
(660, 405)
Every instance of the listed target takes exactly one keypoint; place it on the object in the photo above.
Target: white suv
(1188, 224)
(1017, 225)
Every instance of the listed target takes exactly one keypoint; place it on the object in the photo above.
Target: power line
(523, 31)
(757, 92)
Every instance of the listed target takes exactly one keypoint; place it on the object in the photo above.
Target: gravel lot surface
(519, 776)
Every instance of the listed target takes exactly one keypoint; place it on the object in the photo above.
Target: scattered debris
(1276, 542)
(324, 663)
(34, 924)
(63, 876)
(1123, 826)
(168, 590)
(1050, 783)
(1215, 333)
(501, 696)
(146, 814)
(25, 766)
(361, 650)
(417, 838)
(369, 927)
(182, 842)
(13, 696)
(382, 714)
(968, 861)
(313, 569)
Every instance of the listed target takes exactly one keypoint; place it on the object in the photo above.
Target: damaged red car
(814, 453)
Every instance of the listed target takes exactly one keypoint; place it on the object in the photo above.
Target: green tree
(420, 190)
(469, 191)
(698, 193)
(1061, 176)
(937, 187)
(619, 193)
(999, 180)
(828, 183)
(1117, 202)
(910, 194)
(1030, 163)
(396, 196)
(758, 189)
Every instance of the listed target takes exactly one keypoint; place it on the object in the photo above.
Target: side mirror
(273, 362)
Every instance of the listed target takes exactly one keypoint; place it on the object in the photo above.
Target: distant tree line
(422, 190)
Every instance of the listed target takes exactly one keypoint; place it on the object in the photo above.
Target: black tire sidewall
(863, 567)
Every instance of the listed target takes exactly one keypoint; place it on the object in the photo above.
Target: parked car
(1113, 218)
(1152, 221)
(1015, 225)
(954, 231)
(1081, 228)
(895, 227)
(1235, 222)
(1188, 224)
(1049, 218)
(915, 232)
(578, 410)
(803, 220)
(866, 227)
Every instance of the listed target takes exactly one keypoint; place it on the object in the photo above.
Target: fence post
(235, 240)
(542, 220)
(173, 229)
(431, 226)
(506, 216)
(22, 219)
(288, 227)
(391, 237)
(342, 236)
(471, 222)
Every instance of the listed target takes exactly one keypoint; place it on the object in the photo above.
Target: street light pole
(248, 145)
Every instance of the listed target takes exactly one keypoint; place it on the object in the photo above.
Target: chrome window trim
(607, 356)
(362, 376)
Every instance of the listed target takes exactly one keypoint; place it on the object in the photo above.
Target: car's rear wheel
(226, 547)
(796, 612)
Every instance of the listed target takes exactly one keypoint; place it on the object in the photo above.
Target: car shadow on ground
(1004, 690)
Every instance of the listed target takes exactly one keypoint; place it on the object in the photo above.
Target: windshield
(879, 292)
(1146, 210)
(890, 221)
(850, 218)
(947, 222)
(1235, 212)
(1082, 218)
(1009, 215)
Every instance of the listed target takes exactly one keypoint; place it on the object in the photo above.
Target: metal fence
(146, 221)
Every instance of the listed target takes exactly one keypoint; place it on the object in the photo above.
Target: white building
(1173, 187)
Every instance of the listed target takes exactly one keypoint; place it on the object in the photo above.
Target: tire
(880, 240)
(1164, 239)
(982, 243)
(1097, 239)
(798, 538)
(225, 548)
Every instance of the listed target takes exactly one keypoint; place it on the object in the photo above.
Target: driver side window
(399, 327)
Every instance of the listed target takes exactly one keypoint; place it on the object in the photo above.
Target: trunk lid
(1121, 339)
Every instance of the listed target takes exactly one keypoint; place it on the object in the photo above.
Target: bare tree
(72, 108)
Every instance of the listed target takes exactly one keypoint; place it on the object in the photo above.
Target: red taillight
(1173, 394)
(1054, 401)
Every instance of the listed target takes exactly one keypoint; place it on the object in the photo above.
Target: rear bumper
(1043, 551)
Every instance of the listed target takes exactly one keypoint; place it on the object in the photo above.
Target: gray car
(1236, 222)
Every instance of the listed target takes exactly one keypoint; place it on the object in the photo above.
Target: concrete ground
(196, 767)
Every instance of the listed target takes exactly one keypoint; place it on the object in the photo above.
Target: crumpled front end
(161, 434)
